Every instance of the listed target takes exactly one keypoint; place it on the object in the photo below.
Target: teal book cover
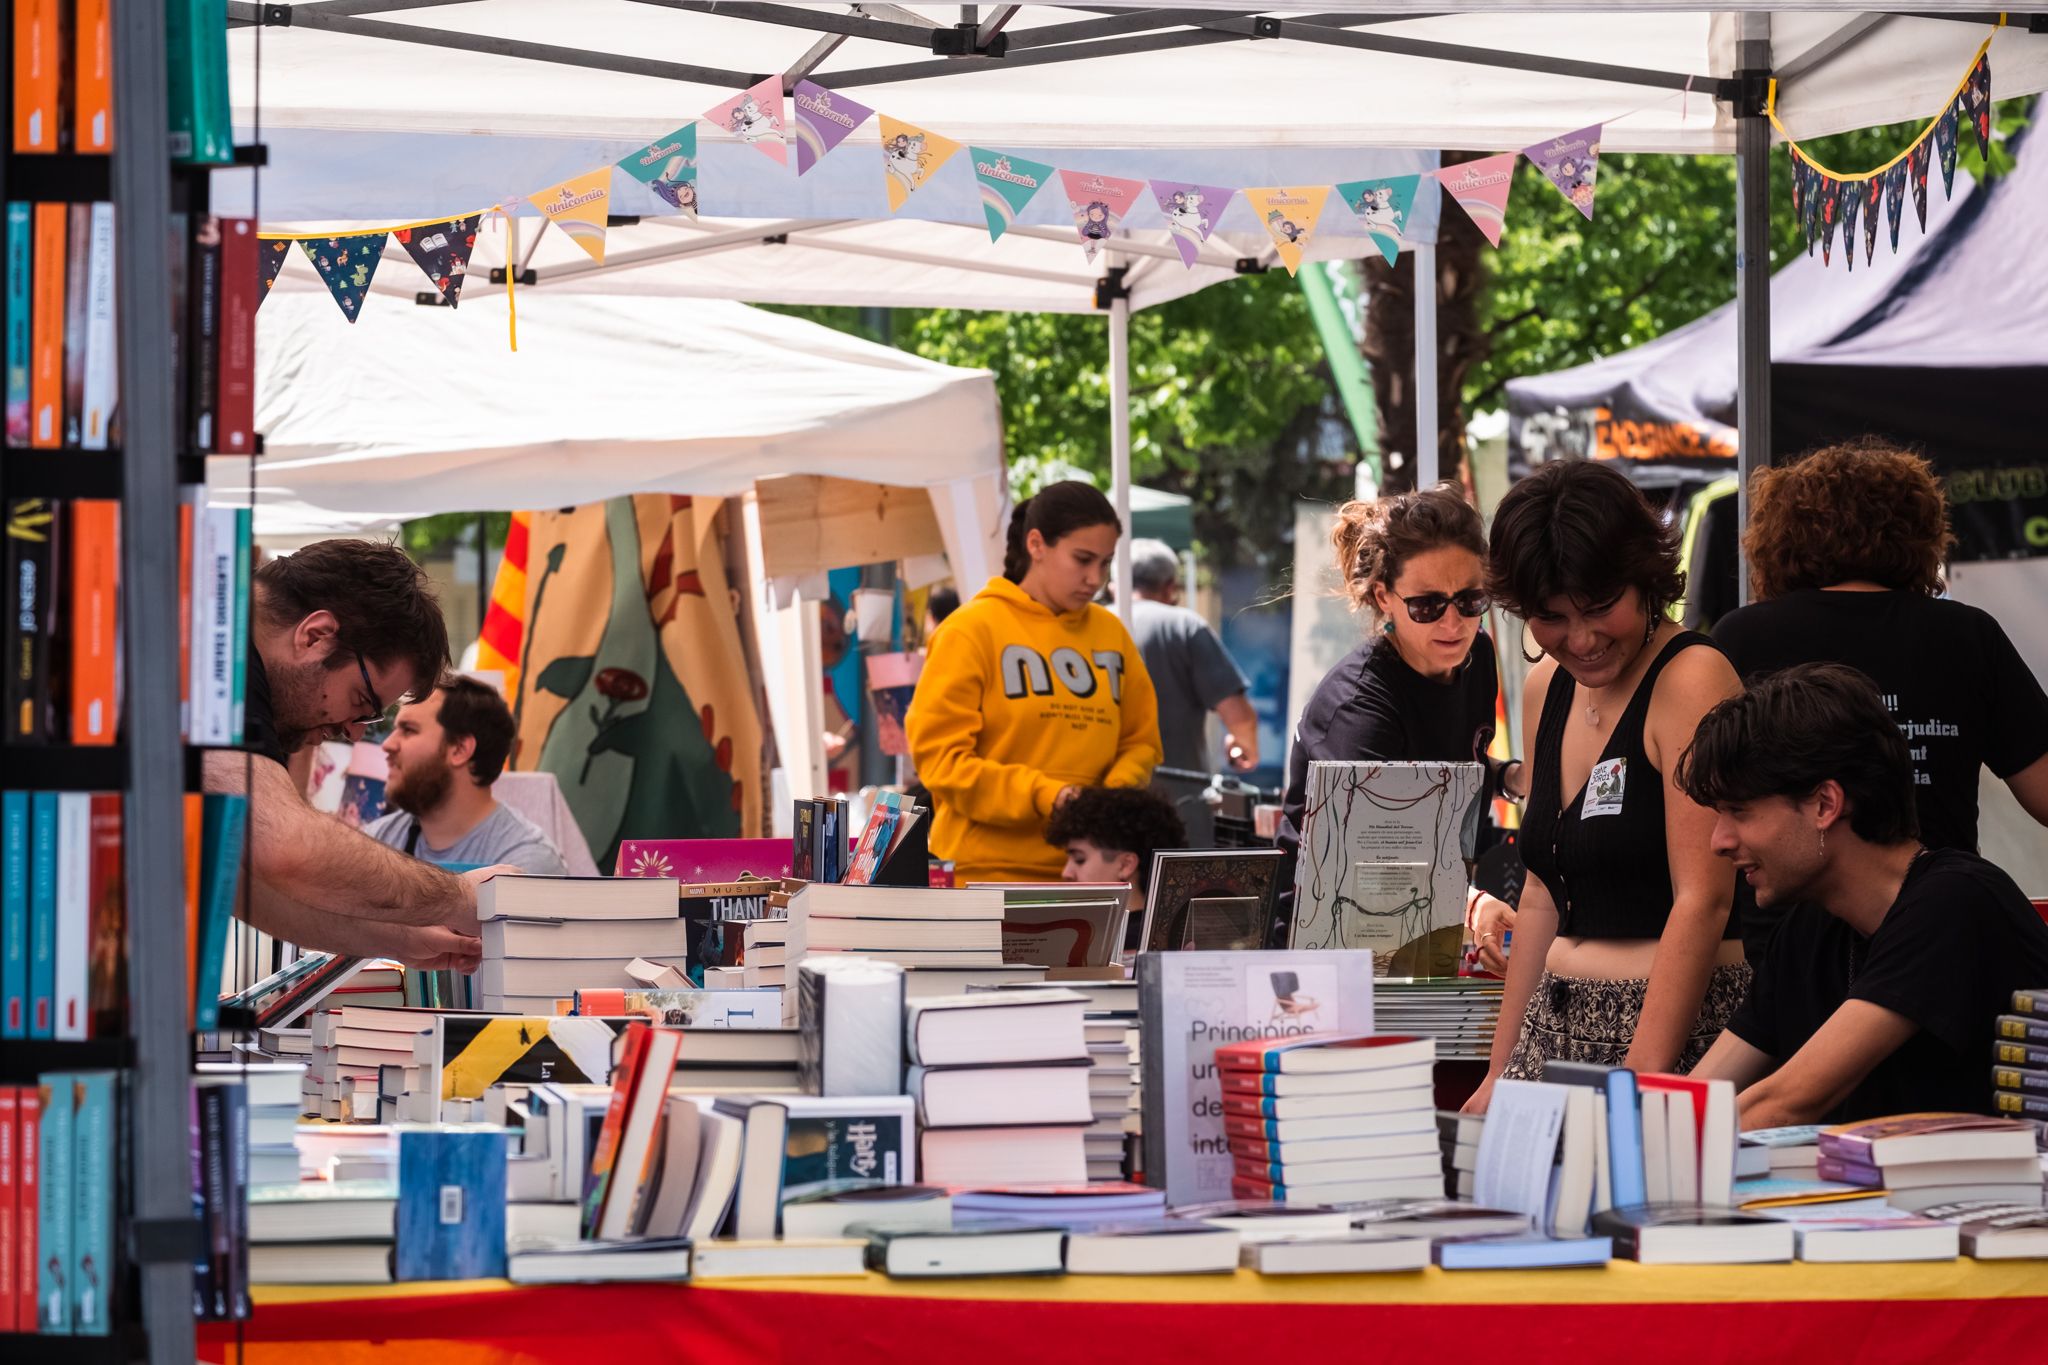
(19, 335)
(224, 826)
(13, 914)
(89, 1277)
(54, 1198)
(42, 915)
(451, 1205)
(870, 1138)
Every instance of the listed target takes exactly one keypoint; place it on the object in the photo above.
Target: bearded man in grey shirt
(445, 753)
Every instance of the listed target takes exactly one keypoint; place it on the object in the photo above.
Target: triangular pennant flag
(1977, 104)
(1570, 162)
(1945, 148)
(1830, 208)
(755, 117)
(1916, 179)
(823, 121)
(909, 156)
(1809, 204)
(270, 254)
(442, 251)
(1798, 183)
(668, 166)
(1852, 206)
(579, 206)
(1289, 216)
(1099, 203)
(1873, 200)
(1481, 189)
(1007, 183)
(1895, 200)
(347, 264)
(1192, 212)
(1382, 206)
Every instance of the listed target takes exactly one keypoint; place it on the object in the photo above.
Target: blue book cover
(1524, 1253)
(451, 1205)
(13, 914)
(89, 1277)
(1625, 1140)
(20, 233)
(42, 915)
(54, 1198)
(224, 826)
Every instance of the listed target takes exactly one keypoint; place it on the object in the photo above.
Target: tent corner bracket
(1748, 91)
(1249, 265)
(527, 277)
(1111, 286)
(277, 16)
(965, 40)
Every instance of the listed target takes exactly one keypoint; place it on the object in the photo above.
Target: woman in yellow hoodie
(1032, 692)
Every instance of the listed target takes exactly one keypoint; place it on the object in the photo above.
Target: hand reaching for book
(434, 948)
(466, 921)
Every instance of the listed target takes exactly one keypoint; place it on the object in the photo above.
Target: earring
(1526, 658)
(1650, 628)
(1823, 841)
(1387, 626)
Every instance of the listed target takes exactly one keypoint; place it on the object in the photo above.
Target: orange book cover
(195, 823)
(95, 560)
(625, 1079)
(38, 74)
(93, 79)
(46, 310)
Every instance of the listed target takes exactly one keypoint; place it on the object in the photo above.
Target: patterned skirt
(1573, 1019)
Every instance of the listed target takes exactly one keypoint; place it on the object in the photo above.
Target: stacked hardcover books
(351, 1046)
(1326, 1119)
(945, 940)
(1924, 1160)
(1459, 1012)
(1001, 1083)
(544, 938)
(2020, 1056)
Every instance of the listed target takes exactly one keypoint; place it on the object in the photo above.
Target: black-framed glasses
(1430, 606)
(377, 702)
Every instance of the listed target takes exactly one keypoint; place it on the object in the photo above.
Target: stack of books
(271, 1095)
(544, 938)
(1112, 1091)
(322, 1232)
(733, 1061)
(2019, 1075)
(62, 1162)
(1924, 1160)
(1001, 1084)
(351, 1045)
(1459, 1012)
(1458, 1144)
(1331, 1118)
(946, 941)
(764, 956)
(1063, 924)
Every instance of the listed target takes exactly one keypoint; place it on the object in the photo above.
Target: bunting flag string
(1007, 184)
(1824, 198)
(1191, 213)
(1289, 216)
(1481, 189)
(1570, 162)
(755, 117)
(668, 166)
(347, 264)
(1099, 203)
(1382, 207)
(271, 253)
(909, 156)
(441, 251)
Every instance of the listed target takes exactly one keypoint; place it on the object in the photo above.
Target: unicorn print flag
(1191, 212)
(579, 206)
(823, 121)
(755, 117)
(1382, 206)
(909, 157)
(1007, 184)
(1099, 203)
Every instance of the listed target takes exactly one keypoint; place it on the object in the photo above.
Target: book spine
(225, 828)
(100, 382)
(20, 330)
(1849, 1172)
(42, 915)
(625, 1078)
(28, 1189)
(95, 555)
(1234, 1081)
(2020, 1028)
(1629, 1185)
(202, 368)
(93, 81)
(77, 292)
(2020, 1054)
(195, 825)
(2018, 1078)
(2013, 1103)
(178, 41)
(2034, 1003)
(34, 538)
(74, 913)
(10, 1219)
(107, 964)
(14, 916)
(202, 1287)
(90, 1276)
(238, 1201)
(54, 1197)
(214, 1190)
(46, 375)
(240, 283)
(216, 646)
(185, 510)
(238, 623)
(38, 75)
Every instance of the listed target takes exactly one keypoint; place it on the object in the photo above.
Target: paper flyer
(1945, 148)
(823, 121)
(579, 207)
(271, 251)
(1481, 189)
(1873, 201)
(1289, 216)
(1099, 203)
(1569, 162)
(1852, 209)
(1895, 199)
(668, 166)
(755, 117)
(347, 264)
(1382, 207)
(1007, 184)
(441, 251)
(1191, 213)
(909, 156)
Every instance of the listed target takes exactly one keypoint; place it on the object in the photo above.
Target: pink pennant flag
(1481, 189)
(1099, 203)
(755, 117)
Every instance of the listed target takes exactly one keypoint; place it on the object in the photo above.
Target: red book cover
(29, 1109)
(625, 1077)
(95, 559)
(240, 290)
(107, 931)
(1312, 1052)
(10, 1232)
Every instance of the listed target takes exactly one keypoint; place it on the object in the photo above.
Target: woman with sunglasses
(1625, 951)
(1421, 687)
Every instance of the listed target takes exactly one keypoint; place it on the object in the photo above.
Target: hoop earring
(1524, 645)
(1650, 628)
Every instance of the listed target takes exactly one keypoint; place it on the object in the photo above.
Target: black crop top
(1603, 856)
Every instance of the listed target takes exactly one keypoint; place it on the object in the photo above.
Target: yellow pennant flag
(1289, 216)
(909, 157)
(579, 206)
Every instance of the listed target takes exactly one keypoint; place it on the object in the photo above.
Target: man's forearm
(282, 917)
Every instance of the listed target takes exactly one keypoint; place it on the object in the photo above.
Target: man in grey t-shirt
(445, 753)
(1191, 671)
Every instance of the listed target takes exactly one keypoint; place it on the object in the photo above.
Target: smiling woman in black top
(1421, 687)
(1624, 953)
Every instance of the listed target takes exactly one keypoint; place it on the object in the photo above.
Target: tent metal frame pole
(1427, 441)
(1112, 292)
(1752, 271)
(848, 25)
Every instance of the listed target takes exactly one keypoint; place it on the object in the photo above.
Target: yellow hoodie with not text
(1014, 704)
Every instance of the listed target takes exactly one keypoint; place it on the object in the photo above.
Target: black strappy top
(1603, 856)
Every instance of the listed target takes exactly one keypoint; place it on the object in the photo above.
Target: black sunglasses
(1430, 606)
(377, 702)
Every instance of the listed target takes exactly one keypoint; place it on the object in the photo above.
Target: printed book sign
(823, 121)
(1192, 213)
(477, 1052)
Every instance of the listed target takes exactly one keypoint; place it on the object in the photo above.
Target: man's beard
(296, 698)
(419, 790)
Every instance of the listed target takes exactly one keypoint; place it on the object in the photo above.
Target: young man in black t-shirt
(1878, 990)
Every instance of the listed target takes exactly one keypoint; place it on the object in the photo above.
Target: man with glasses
(1191, 671)
(339, 631)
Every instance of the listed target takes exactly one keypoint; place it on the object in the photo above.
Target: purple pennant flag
(1945, 148)
(1830, 207)
(1895, 200)
(1191, 212)
(1852, 205)
(1916, 179)
(1570, 162)
(823, 121)
(270, 253)
(1873, 200)
(1977, 104)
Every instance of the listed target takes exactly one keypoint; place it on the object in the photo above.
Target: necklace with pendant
(1592, 711)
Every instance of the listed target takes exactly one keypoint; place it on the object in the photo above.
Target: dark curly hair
(1119, 820)
(1375, 540)
(1580, 529)
(1865, 510)
(384, 606)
